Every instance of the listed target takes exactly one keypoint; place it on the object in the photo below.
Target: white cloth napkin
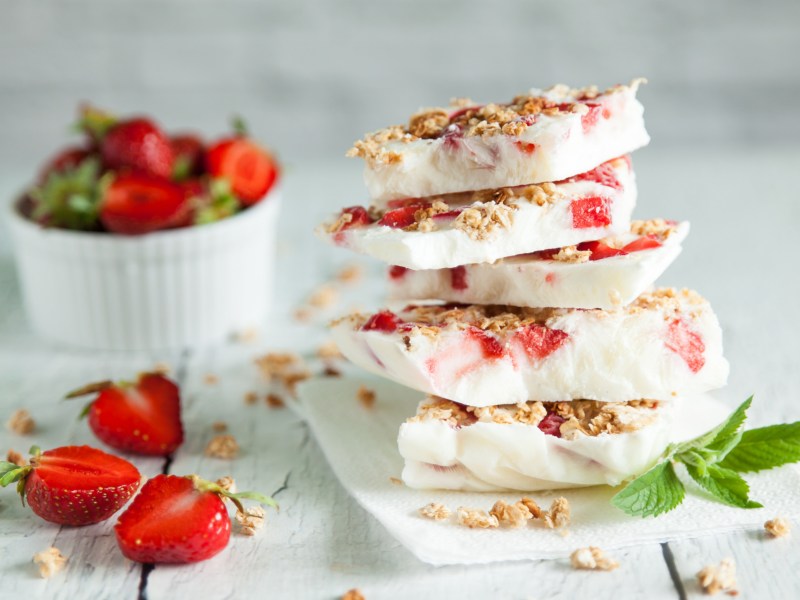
(360, 445)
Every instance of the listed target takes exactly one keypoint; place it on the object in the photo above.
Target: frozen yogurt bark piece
(665, 343)
(600, 274)
(533, 445)
(544, 135)
(476, 227)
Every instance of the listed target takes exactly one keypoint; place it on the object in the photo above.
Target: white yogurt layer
(663, 344)
(491, 456)
(573, 212)
(535, 281)
(553, 147)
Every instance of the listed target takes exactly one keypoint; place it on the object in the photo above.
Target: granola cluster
(661, 229)
(592, 558)
(466, 119)
(286, 368)
(581, 417)
(503, 514)
(719, 578)
(482, 218)
(49, 561)
(21, 422)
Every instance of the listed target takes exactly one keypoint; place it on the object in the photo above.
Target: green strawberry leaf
(655, 492)
(725, 485)
(239, 126)
(765, 448)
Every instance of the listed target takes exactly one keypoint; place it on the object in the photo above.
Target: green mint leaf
(725, 485)
(720, 437)
(765, 448)
(655, 492)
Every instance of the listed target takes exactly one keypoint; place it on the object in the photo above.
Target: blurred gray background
(312, 75)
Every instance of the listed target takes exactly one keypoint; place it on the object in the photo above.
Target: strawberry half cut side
(249, 168)
(73, 485)
(137, 204)
(142, 417)
(178, 520)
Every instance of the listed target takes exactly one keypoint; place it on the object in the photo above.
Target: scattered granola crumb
(251, 520)
(532, 506)
(323, 297)
(329, 351)
(222, 446)
(435, 511)
(514, 515)
(476, 518)
(366, 396)
(21, 422)
(250, 398)
(49, 561)
(592, 558)
(16, 458)
(210, 379)
(330, 371)
(350, 273)
(302, 314)
(396, 481)
(354, 594)
(275, 401)
(558, 515)
(227, 483)
(247, 336)
(777, 527)
(161, 368)
(219, 426)
(719, 578)
(285, 367)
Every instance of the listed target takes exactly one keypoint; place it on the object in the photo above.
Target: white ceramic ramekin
(175, 289)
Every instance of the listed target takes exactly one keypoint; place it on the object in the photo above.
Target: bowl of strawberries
(134, 239)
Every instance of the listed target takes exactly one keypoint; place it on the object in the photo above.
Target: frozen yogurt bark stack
(529, 320)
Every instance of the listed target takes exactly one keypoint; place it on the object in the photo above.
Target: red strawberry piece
(142, 417)
(397, 272)
(177, 520)
(73, 485)
(525, 147)
(137, 203)
(540, 341)
(490, 345)
(600, 250)
(360, 217)
(401, 202)
(644, 242)
(590, 118)
(458, 278)
(189, 150)
(603, 174)
(551, 424)
(250, 170)
(686, 343)
(385, 321)
(401, 217)
(138, 145)
(591, 211)
(66, 160)
(450, 214)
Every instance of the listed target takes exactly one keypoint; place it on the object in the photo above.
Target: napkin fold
(360, 444)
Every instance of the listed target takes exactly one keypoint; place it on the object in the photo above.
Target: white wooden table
(741, 254)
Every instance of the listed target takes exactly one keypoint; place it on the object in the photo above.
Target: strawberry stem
(90, 388)
(203, 485)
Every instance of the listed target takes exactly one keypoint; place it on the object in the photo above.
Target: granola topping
(581, 417)
(50, 562)
(658, 228)
(559, 514)
(251, 520)
(778, 527)
(475, 518)
(222, 446)
(21, 422)
(512, 515)
(366, 397)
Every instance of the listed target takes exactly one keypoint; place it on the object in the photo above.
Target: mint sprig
(713, 460)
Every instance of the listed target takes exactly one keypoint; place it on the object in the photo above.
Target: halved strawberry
(137, 203)
(249, 168)
(142, 417)
(360, 217)
(73, 485)
(138, 145)
(644, 242)
(600, 250)
(178, 520)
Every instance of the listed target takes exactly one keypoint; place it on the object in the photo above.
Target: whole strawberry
(73, 485)
(178, 520)
(138, 145)
(143, 417)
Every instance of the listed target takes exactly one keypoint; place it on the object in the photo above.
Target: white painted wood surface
(740, 254)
